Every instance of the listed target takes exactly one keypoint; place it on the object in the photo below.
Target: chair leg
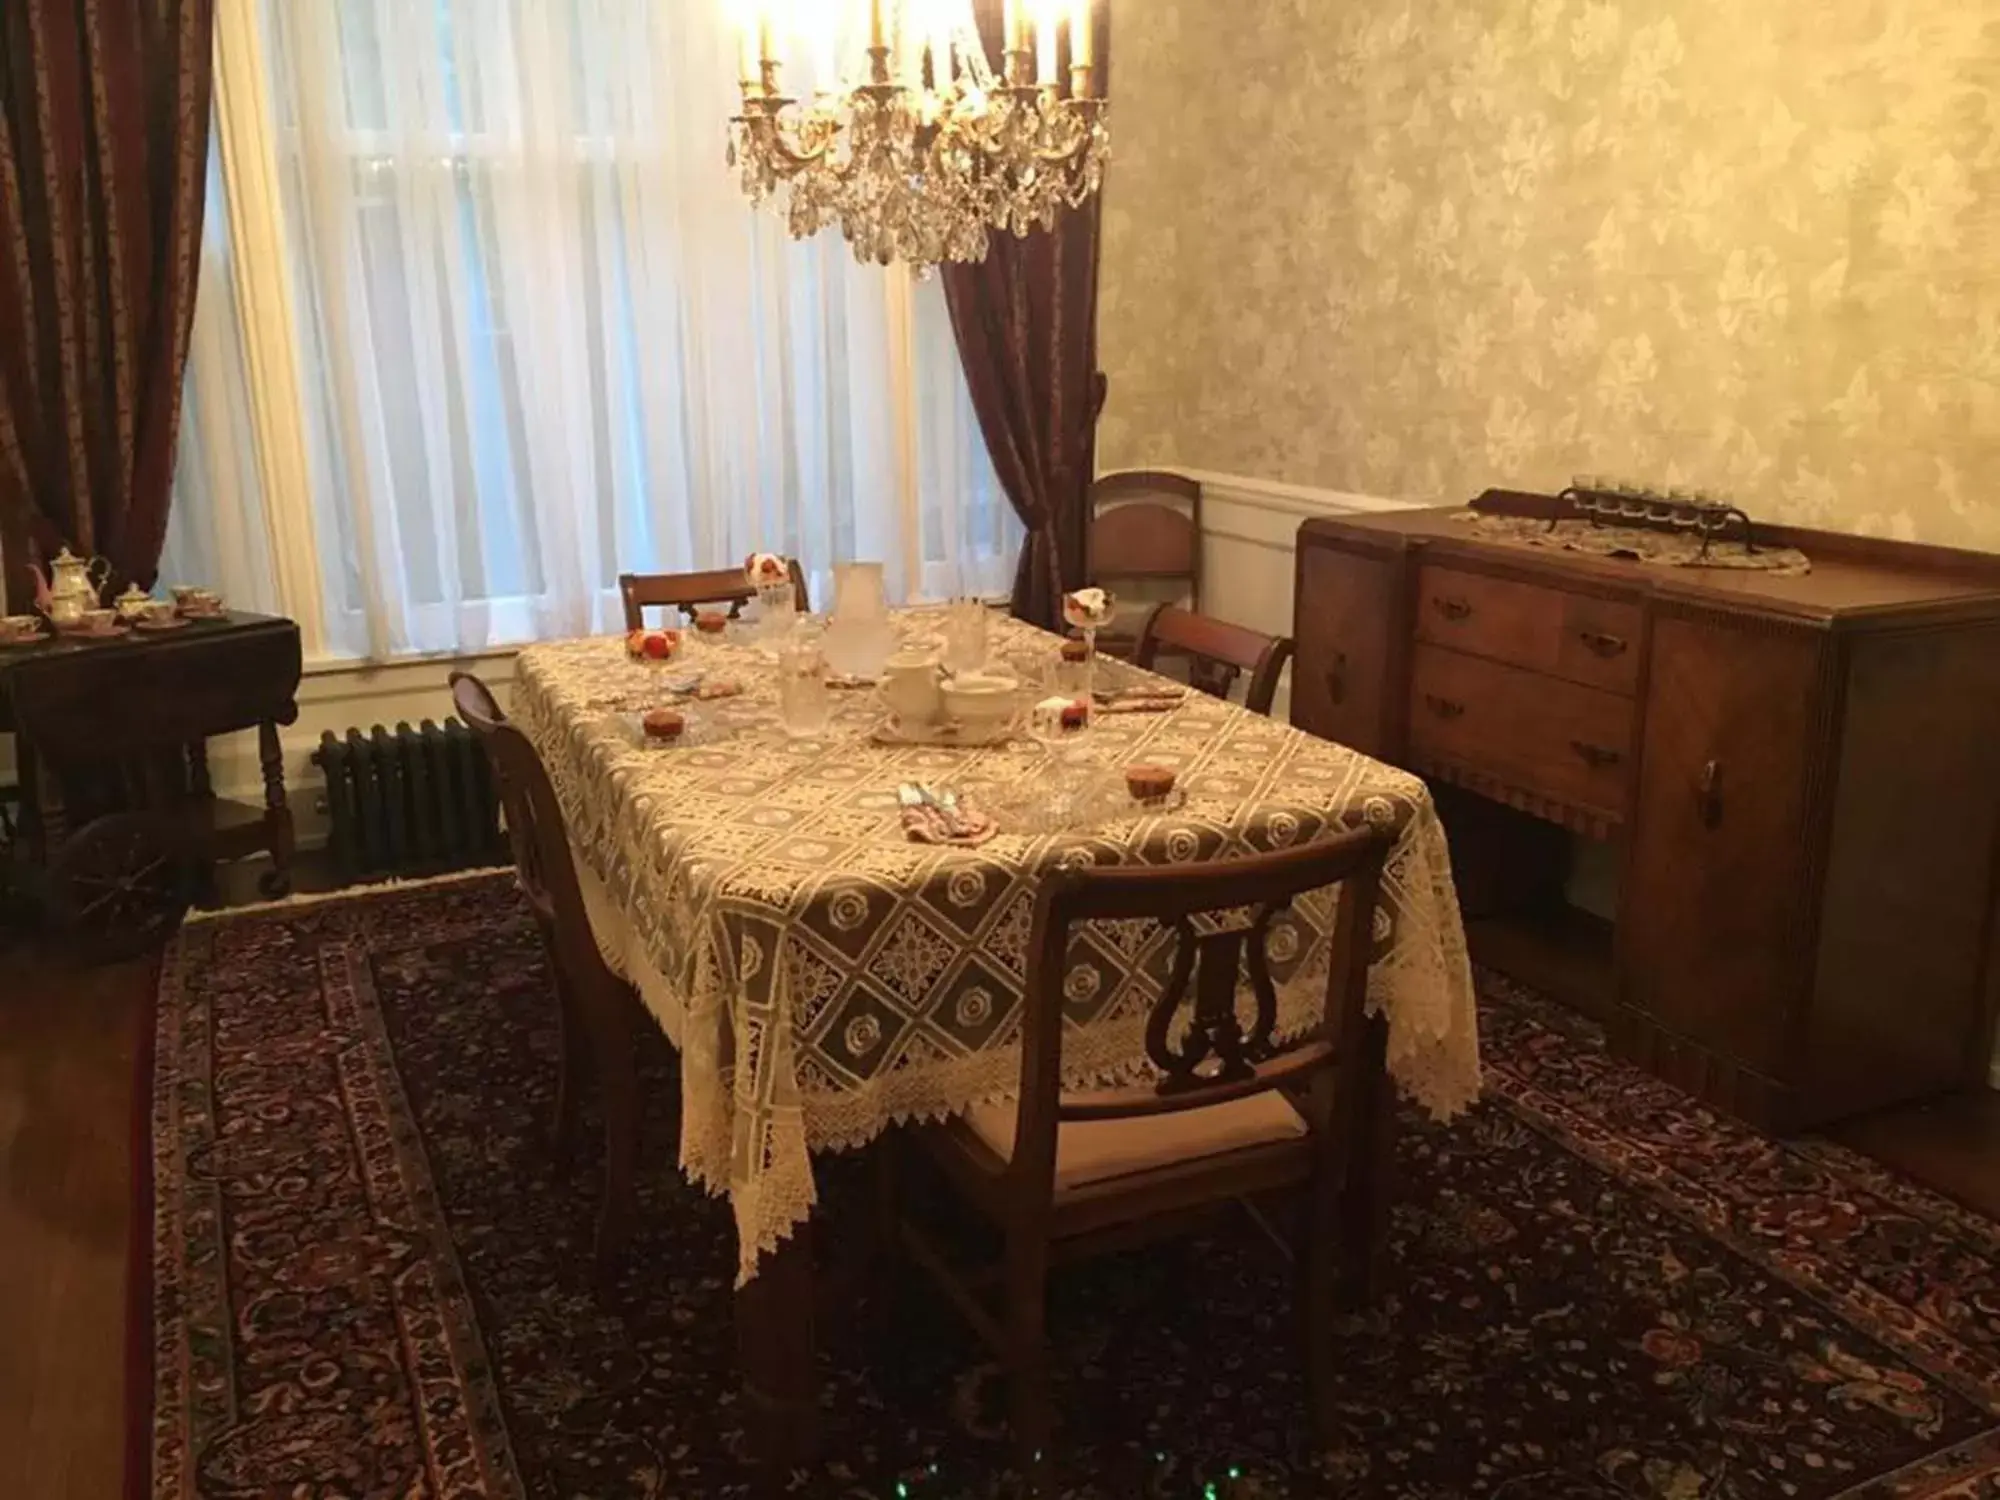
(1364, 1195)
(1321, 1280)
(1027, 1357)
(619, 1076)
(569, 1075)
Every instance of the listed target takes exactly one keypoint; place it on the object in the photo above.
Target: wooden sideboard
(1798, 778)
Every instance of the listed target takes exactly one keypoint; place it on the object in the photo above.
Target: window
(538, 336)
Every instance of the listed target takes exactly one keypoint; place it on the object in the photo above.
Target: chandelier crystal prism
(923, 152)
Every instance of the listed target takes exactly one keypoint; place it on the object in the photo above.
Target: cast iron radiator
(409, 801)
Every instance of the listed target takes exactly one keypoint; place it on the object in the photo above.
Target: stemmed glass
(1060, 723)
(965, 635)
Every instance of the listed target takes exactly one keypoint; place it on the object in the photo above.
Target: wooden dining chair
(1217, 653)
(597, 1003)
(1234, 1112)
(688, 592)
(1145, 538)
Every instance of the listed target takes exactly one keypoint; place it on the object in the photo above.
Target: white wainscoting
(1249, 535)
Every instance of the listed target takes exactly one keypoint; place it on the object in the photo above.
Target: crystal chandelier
(923, 151)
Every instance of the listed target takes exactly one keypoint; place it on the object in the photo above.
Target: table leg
(277, 811)
(774, 1337)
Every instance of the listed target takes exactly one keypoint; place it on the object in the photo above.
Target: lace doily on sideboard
(1673, 549)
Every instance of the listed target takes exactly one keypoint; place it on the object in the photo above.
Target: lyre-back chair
(1217, 653)
(688, 592)
(597, 1004)
(1235, 1111)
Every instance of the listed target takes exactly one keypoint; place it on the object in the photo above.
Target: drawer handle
(1336, 679)
(1444, 708)
(1597, 757)
(1451, 609)
(1604, 645)
(1708, 794)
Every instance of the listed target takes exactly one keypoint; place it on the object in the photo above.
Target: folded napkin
(931, 823)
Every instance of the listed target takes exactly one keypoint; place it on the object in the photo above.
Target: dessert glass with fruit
(777, 599)
(1086, 611)
(653, 649)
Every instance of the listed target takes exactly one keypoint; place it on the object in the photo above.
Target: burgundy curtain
(104, 109)
(1025, 319)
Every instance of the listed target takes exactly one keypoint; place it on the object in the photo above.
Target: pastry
(1148, 783)
(1074, 649)
(711, 622)
(662, 724)
(718, 687)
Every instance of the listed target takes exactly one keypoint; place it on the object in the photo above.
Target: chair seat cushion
(1090, 1151)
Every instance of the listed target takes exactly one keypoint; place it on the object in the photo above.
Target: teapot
(913, 685)
(70, 587)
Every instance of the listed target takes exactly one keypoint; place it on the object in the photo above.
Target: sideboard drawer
(1520, 730)
(1578, 637)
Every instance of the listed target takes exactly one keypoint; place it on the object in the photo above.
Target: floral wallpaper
(1417, 247)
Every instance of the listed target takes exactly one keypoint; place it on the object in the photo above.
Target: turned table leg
(277, 812)
(774, 1334)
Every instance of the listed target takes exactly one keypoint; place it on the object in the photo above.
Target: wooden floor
(67, 1044)
(68, 1038)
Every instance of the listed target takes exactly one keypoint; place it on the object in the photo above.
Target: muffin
(1074, 648)
(663, 724)
(1149, 783)
(711, 622)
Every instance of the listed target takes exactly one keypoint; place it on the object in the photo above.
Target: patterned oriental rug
(367, 1279)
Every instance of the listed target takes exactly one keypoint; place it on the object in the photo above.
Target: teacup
(17, 628)
(197, 601)
(99, 621)
(157, 612)
(982, 702)
(910, 686)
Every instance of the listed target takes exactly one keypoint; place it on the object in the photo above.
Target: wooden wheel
(119, 885)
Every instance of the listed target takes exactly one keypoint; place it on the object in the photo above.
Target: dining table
(826, 978)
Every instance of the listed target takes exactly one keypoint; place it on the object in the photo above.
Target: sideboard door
(1349, 635)
(1710, 914)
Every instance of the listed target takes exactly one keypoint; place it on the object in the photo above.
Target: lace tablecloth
(825, 978)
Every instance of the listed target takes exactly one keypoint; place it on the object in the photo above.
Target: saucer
(14, 642)
(93, 632)
(893, 731)
(171, 622)
(189, 612)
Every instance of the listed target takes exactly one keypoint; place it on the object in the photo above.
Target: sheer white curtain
(541, 338)
(216, 529)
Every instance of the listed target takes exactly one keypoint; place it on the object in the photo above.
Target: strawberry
(660, 644)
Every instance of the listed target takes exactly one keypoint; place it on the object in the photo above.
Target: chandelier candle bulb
(1048, 31)
(1082, 47)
